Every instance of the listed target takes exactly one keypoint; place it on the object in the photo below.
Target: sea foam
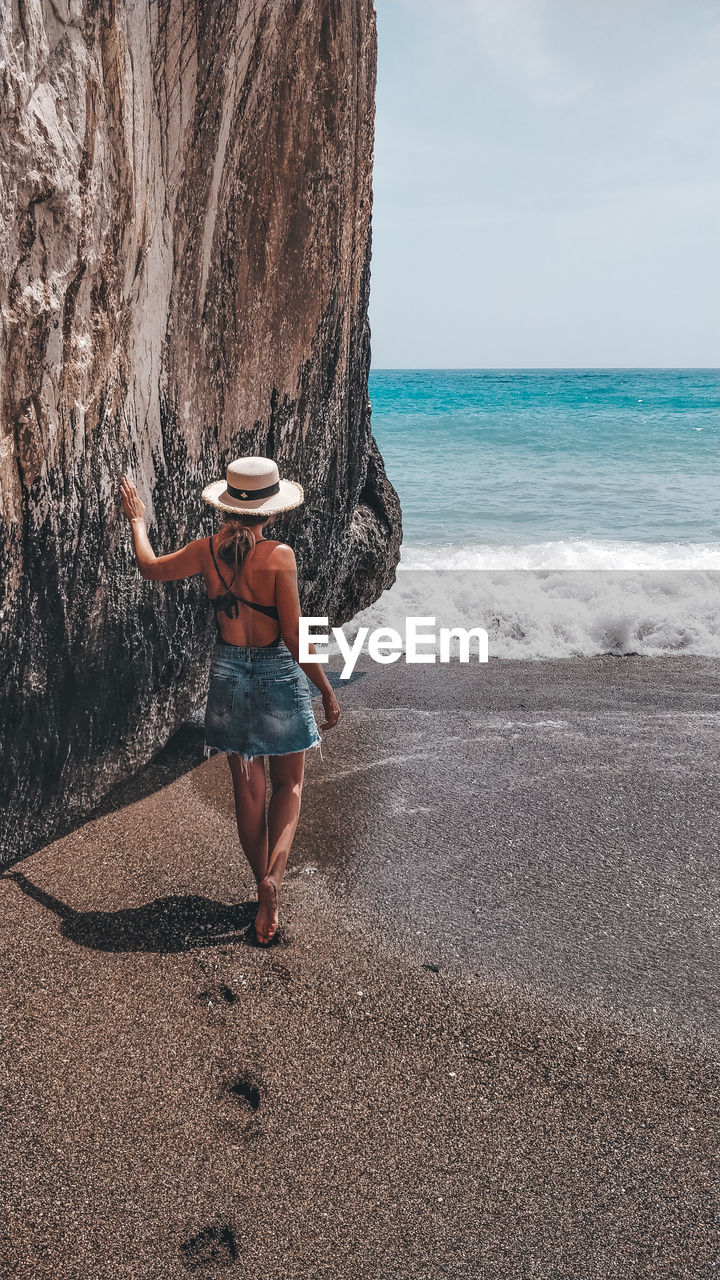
(563, 599)
(572, 553)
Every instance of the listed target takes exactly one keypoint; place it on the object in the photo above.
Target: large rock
(186, 199)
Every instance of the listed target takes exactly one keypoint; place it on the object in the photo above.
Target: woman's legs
(249, 789)
(286, 778)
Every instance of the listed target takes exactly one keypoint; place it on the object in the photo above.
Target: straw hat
(252, 486)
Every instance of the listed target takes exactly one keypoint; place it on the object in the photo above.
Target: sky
(546, 184)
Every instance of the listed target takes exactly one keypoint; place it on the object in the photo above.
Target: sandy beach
(484, 1045)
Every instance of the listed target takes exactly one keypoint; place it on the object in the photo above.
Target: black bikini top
(228, 602)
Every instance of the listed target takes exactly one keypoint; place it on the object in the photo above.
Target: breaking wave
(562, 599)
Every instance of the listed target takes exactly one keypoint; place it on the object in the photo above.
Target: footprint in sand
(245, 1097)
(214, 1246)
(246, 1092)
(217, 994)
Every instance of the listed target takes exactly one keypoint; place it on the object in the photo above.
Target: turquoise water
(567, 511)
(586, 464)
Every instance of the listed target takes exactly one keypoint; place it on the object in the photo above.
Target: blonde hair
(236, 538)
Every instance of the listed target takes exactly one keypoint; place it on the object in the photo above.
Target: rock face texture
(184, 274)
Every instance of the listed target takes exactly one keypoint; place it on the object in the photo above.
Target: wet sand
(485, 1044)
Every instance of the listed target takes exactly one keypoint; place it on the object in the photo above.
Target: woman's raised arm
(179, 564)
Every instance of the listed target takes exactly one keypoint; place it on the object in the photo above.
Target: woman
(259, 700)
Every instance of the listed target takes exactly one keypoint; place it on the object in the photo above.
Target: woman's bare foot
(266, 920)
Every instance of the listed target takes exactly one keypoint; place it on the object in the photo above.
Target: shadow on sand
(168, 924)
(182, 753)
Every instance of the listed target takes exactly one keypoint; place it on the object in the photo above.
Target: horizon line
(535, 368)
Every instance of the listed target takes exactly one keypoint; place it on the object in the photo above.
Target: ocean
(569, 511)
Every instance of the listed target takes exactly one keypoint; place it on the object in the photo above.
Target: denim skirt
(258, 703)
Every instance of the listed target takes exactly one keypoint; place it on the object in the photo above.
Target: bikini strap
(270, 610)
(217, 567)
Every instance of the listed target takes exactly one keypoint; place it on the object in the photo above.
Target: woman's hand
(331, 709)
(133, 506)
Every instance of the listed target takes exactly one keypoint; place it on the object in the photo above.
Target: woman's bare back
(254, 582)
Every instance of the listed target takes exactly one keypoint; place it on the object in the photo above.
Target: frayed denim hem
(245, 759)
